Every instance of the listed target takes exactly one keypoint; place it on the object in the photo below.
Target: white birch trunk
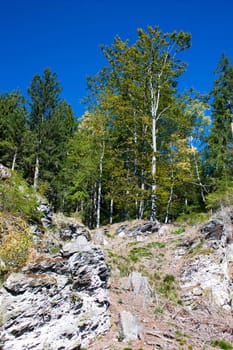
(169, 200)
(36, 174)
(14, 160)
(141, 206)
(100, 187)
(154, 110)
(111, 211)
(198, 173)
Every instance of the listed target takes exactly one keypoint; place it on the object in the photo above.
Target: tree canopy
(143, 149)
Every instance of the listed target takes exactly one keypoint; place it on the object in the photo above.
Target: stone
(145, 229)
(129, 326)
(138, 284)
(5, 172)
(211, 277)
(74, 246)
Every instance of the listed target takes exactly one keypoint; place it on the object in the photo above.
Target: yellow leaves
(16, 240)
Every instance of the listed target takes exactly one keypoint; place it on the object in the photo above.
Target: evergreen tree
(13, 116)
(220, 140)
(51, 124)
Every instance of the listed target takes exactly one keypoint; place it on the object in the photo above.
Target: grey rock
(56, 303)
(5, 172)
(209, 276)
(148, 228)
(213, 229)
(138, 284)
(129, 326)
(74, 246)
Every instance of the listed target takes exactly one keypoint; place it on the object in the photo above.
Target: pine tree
(51, 125)
(13, 116)
(220, 140)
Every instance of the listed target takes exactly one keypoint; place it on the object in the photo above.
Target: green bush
(17, 197)
(220, 198)
(192, 218)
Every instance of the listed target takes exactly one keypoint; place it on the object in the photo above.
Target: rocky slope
(135, 286)
(57, 301)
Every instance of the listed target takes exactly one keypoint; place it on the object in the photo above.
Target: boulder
(145, 229)
(129, 327)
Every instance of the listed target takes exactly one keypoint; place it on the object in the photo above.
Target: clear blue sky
(65, 35)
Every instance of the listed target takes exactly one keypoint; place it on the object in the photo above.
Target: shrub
(18, 198)
(16, 241)
(192, 218)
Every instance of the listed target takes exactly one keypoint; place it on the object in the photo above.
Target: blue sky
(65, 35)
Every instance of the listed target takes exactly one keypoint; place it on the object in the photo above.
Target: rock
(76, 245)
(46, 210)
(129, 326)
(210, 276)
(56, 303)
(212, 230)
(145, 229)
(138, 284)
(99, 238)
(5, 172)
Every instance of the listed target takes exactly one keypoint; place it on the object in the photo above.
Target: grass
(141, 252)
(198, 249)
(221, 344)
(156, 244)
(178, 231)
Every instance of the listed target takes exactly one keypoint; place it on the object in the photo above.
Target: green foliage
(17, 197)
(178, 231)
(192, 218)
(140, 252)
(16, 241)
(156, 244)
(167, 287)
(12, 128)
(219, 151)
(221, 196)
(51, 125)
(221, 344)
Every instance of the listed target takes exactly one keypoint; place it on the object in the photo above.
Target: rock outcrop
(5, 172)
(208, 271)
(56, 302)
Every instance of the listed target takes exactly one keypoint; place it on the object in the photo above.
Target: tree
(44, 92)
(13, 116)
(220, 145)
(52, 123)
(138, 89)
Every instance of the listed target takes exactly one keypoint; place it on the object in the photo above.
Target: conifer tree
(13, 116)
(220, 140)
(51, 124)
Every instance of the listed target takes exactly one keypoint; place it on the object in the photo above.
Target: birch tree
(145, 75)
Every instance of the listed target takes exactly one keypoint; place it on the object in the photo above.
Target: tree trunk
(100, 187)
(198, 173)
(111, 211)
(14, 160)
(141, 206)
(154, 168)
(169, 200)
(36, 174)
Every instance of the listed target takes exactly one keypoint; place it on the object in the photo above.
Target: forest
(142, 150)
